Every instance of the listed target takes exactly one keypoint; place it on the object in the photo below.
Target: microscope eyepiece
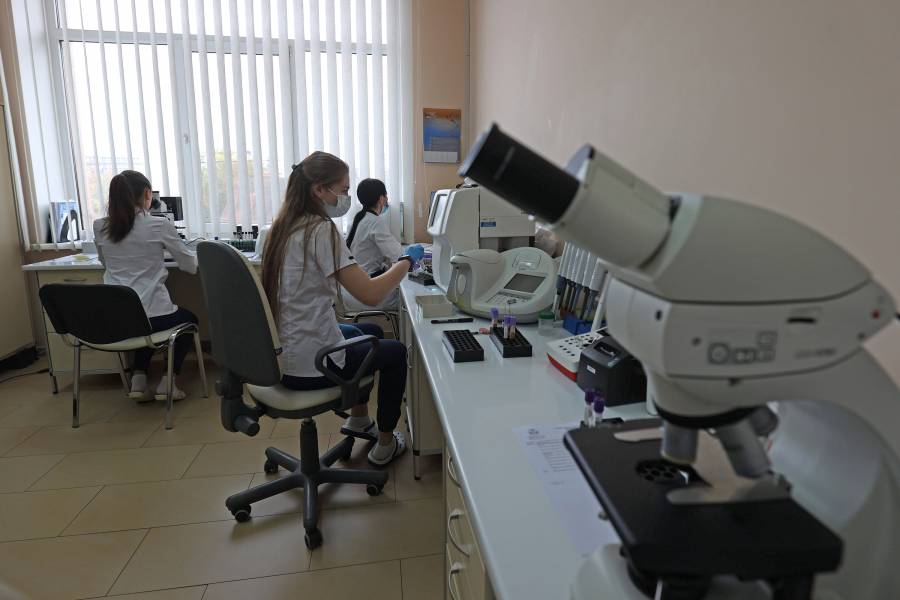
(519, 175)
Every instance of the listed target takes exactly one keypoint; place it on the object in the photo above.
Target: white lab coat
(375, 249)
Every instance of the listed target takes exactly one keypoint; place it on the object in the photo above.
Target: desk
(523, 544)
(184, 288)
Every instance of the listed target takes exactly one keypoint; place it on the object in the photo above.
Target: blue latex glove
(415, 252)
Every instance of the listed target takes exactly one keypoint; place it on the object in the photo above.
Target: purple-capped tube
(599, 406)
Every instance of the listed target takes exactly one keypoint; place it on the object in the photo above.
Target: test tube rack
(515, 347)
(242, 245)
(462, 346)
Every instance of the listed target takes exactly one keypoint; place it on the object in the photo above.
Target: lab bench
(503, 537)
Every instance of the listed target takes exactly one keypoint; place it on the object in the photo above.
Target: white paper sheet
(569, 493)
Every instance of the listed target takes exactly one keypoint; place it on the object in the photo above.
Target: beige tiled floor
(123, 508)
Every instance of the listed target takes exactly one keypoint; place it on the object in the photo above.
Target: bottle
(599, 406)
(589, 397)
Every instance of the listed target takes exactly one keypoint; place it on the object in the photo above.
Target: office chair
(245, 346)
(111, 318)
(345, 315)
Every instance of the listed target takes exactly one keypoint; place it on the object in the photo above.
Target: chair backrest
(95, 313)
(242, 330)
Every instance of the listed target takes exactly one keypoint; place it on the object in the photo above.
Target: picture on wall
(442, 134)
(65, 220)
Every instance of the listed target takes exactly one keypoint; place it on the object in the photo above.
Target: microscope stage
(766, 540)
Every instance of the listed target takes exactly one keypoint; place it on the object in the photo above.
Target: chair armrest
(348, 386)
(355, 317)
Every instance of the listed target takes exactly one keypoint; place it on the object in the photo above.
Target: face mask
(340, 209)
(385, 210)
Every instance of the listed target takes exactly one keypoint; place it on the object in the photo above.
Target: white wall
(791, 105)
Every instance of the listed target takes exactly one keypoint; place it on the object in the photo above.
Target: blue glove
(416, 252)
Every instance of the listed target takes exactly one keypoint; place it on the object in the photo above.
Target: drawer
(73, 276)
(461, 537)
(450, 470)
(457, 580)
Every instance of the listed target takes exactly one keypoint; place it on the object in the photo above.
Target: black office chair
(110, 318)
(245, 346)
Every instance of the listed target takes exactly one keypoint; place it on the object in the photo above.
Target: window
(214, 100)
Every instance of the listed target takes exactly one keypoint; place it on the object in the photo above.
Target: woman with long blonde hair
(304, 260)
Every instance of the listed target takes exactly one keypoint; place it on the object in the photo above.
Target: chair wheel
(271, 467)
(374, 490)
(241, 515)
(313, 538)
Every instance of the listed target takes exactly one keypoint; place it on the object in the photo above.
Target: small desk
(523, 544)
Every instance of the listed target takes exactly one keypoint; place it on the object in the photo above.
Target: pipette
(594, 285)
(561, 278)
(570, 284)
(578, 277)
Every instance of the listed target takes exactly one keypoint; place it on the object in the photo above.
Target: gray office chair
(111, 318)
(346, 315)
(245, 346)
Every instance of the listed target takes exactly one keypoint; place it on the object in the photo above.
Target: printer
(471, 218)
(610, 369)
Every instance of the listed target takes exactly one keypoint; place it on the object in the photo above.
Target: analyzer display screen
(524, 283)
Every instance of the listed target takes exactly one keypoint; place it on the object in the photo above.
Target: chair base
(308, 473)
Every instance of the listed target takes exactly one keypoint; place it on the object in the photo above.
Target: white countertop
(77, 262)
(526, 549)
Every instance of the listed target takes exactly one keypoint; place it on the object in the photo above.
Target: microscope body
(743, 319)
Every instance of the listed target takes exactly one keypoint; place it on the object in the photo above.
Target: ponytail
(125, 192)
(368, 191)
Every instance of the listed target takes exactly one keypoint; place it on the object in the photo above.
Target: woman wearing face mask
(130, 243)
(370, 239)
(303, 261)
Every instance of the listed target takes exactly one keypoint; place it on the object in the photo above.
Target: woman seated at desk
(304, 260)
(371, 242)
(130, 243)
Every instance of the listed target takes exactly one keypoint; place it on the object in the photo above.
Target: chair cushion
(282, 398)
(155, 339)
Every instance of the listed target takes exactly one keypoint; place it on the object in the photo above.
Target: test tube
(495, 317)
(599, 406)
(512, 327)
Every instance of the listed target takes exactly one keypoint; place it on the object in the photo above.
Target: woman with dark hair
(130, 243)
(370, 239)
(304, 259)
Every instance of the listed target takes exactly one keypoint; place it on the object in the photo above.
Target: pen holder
(516, 347)
(462, 346)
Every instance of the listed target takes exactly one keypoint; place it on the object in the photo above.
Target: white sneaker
(161, 392)
(138, 387)
(382, 455)
(367, 430)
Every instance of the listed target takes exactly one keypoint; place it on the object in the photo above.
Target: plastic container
(545, 320)
(434, 305)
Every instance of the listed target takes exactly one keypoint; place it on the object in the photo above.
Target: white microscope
(775, 473)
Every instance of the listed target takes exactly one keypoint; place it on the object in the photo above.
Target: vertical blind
(215, 100)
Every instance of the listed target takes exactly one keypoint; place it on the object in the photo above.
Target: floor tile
(242, 455)
(431, 484)
(62, 439)
(185, 593)
(385, 531)
(215, 552)
(423, 577)
(155, 411)
(17, 474)
(375, 581)
(157, 504)
(67, 567)
(12, 437)
(326, 423)
(119, 466)
(201, 430)
(99, 401)
(29, 515)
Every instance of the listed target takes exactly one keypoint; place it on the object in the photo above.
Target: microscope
(773, 471)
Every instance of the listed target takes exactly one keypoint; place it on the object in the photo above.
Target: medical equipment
(565, 353)
(519, 281)
(261, 241)
(470, 218)
(610, 369)
(729, 307)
